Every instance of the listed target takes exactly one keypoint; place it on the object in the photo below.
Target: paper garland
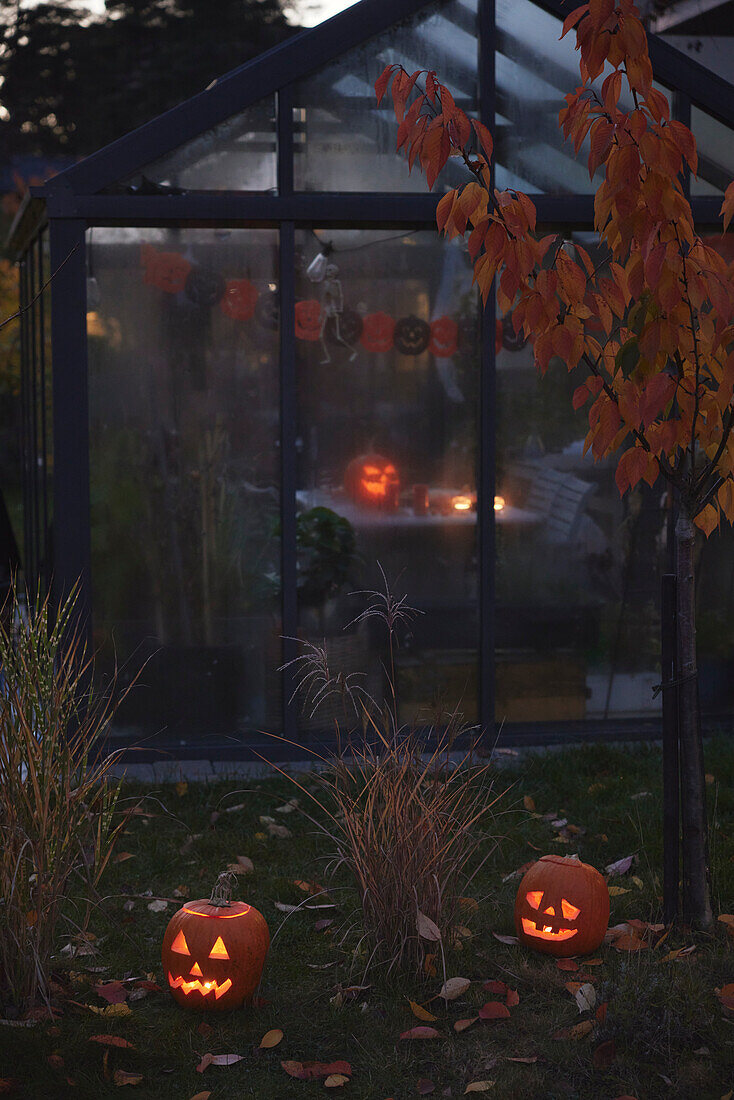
(240, 300)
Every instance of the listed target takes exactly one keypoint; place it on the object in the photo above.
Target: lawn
(664, 1034)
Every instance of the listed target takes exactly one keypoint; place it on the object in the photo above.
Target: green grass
(663, 1015)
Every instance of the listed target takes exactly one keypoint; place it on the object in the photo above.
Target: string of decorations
(378, 332)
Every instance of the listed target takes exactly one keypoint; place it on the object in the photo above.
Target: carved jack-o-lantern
(562, 907)
(214, 951)
(372, 480)
(308, 319)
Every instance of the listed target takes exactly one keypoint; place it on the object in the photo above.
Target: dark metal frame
(75, 201)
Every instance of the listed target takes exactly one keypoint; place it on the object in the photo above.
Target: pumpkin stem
(222, 889)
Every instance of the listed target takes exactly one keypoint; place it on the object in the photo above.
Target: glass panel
(534, 71)
(343, 142)
(578, 567)
(185, 487)
(236, 155)
(12, 411)
(715, 143)
(388, 374)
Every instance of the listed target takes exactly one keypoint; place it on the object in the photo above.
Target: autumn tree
(650, 330)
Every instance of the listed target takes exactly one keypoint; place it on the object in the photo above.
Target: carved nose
(550, 910)
(196, 971)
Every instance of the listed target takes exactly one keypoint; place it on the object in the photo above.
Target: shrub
(56, 798)
(405, 812)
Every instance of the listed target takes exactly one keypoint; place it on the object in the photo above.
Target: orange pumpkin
(562, 907)
(372, 480)
(214, 951)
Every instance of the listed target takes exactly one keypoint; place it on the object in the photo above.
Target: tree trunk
(696, 875)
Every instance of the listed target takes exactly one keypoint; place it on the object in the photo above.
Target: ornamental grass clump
(407, 813)
(57, 799)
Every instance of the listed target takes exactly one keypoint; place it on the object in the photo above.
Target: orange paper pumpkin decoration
(308, 319)
(444, 337)
(562, 907)
(214, 952)
(378, 331)
(372, 480)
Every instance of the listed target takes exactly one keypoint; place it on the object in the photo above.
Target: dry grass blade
(57, 804)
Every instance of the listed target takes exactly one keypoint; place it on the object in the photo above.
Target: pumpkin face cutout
(444, 337)
(308, 319)
(213, 954)
(240, 298)
(412, 336)
(562, 907)
(378, 331)
(168, 271)
(372, 480)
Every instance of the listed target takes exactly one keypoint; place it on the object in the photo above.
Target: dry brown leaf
(529, 803)
(605, 1054)
(453, 988)
(122, 856)
(726, 918)
(567, 964)
(111, 1010)
(615, 891)
(279, 831)
(628, 942)
(336, 1080)
(425, 1086)
(469, 905)
(271, 1038)
(620, 866)
(529, 1061)
(111, 1041)
(429, 966)
(182, 788)
(494, 1010)
(159, 905)
(578, 1031)
(512, 998)
(421, 1013)
(462, 1025)
(205, 1062)
(427, 929)
(478, 1086)
(307, 1071)
(495, 987)
(421, 1033)
(593, 962)
(585, 997)
(226, 1059)
(512, 940)
(201, 1096)
(122, 1077)
(242, 866)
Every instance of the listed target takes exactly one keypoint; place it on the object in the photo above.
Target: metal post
(671, 777)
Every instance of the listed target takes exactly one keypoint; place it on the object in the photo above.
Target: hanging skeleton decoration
(331, 313)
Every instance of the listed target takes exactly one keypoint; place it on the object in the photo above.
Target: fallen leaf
(680, 953)
(637, 881)
(122, 856)
(529, 803)
(585, 997)
(158, 906)
(512, 998)
(604, 1054)
(201, 1096)
(421, 1033)
(529, 1061)
(578, 1031)
(205, 1062)
(112, 992)
(710, 779)
(494, 986)
(593, 962)
(629, 942)
(226, 1059)
(182, 788)
(334, 1080)
(288, 807)
(429, 966)
(620, 866)
(512, 940)
(242, 866)
(421, 1013)
(284, 907)
(122, 1077)
(111, 1010)
(307, 1071)
(494, 1010)
(453, 988)
(478, 1086)
(427, 929)
(462, 1025)
(726, 996)
(615, 891)
(567, 964)
(279, 831)
(271, 1038)
(425, 1086)
(601, 1012)
(323, 924)
(111, 1041)
(726, 918)
(469, 905)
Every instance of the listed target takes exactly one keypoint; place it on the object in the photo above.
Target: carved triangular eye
(219, 951)
(534, 898)
(570, 912)
(180, 945)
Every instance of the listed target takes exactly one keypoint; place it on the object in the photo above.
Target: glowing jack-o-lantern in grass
(373, 480)
(214, 951)
(562, 907)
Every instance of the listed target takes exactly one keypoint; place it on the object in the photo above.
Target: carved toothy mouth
(545, 932)
(205, 988)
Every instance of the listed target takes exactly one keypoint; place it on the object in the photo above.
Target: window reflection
(388, 374)
(183, 386)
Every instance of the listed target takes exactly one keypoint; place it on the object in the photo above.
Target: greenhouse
(256, 383)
